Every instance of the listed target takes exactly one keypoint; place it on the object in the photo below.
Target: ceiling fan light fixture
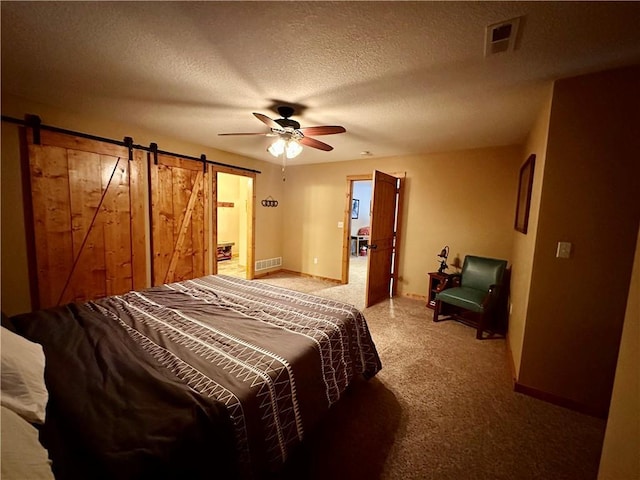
(290, 148)
(293, 149)
(277, 148)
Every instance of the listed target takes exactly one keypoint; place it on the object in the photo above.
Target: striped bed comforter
(268, 361)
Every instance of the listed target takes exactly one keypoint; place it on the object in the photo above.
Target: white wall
(362, 191)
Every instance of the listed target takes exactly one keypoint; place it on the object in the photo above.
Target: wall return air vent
(501, 37)
(268, 263)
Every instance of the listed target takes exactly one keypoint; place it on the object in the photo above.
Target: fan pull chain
(284, 165)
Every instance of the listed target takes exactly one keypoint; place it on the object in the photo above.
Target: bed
(215, 377)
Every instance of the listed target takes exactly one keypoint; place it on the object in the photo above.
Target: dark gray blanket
(209, 378)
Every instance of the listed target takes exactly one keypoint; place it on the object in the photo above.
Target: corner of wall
(590, 176)
(524, 244)
(622, 437)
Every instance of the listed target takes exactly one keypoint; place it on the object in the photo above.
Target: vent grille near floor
(268, 263)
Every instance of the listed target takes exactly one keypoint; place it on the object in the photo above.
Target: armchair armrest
(452, 280)
(492, 296)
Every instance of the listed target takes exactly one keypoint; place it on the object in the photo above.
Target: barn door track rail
(34, 122)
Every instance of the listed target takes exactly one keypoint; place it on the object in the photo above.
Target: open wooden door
(383, 238)
(180, 210)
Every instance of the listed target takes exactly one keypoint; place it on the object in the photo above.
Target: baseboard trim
(415, 296)
(511, 360)
(560, 401)
(298, 274)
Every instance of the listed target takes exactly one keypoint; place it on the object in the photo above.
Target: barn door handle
(372, 246)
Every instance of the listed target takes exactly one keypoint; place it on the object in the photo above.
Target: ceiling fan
(291, 135)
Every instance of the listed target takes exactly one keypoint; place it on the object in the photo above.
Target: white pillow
(23, 389)
(22, 454)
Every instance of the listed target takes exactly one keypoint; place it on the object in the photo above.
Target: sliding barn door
(180, 220)
(87, 208)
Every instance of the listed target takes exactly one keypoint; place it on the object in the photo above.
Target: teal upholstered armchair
(478, 290)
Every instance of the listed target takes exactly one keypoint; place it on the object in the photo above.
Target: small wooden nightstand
(435, 279)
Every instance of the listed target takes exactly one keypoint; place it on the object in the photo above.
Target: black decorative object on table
(444, 254)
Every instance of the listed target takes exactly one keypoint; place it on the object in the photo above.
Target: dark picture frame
(525, 186)
(355, 208)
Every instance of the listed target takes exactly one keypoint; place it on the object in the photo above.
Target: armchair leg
(436, 311)
(481, 325)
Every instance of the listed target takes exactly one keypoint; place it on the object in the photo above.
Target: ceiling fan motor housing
(287, 122)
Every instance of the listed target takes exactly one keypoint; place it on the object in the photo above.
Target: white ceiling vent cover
(501, 37)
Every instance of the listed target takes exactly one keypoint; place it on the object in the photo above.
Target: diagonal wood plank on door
(180, 248)
(179, 220)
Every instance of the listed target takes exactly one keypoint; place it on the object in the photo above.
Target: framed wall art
(355, 208)
(524, 194)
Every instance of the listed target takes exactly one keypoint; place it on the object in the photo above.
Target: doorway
(378, 242)
(234, 225)
(359, 229)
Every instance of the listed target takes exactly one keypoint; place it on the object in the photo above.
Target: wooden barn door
(180, 219)
(87, 208)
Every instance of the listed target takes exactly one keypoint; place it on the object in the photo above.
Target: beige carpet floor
(442, 407)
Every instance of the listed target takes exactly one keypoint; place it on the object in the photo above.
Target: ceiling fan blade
(324, 130)
(312, 142)
(264, 133)
(267, 121)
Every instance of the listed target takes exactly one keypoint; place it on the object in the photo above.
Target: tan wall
(229, 217)
(269, 220)
(15, 274)
(15, 290)
(463, 199)
(620, 453)
(524, 244)
(589, 198)
(232, 221)
(243, 219)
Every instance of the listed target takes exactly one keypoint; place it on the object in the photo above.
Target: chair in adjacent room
(478, 290)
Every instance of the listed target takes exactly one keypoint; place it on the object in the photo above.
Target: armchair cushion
(465, 297)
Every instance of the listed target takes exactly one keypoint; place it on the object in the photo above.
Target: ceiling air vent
(501, 37)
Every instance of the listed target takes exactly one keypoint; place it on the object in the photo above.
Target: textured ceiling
(401, 77)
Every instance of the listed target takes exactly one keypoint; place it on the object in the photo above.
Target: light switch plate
(564, 250)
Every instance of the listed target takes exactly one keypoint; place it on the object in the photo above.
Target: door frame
(251, 217)
(346, 233)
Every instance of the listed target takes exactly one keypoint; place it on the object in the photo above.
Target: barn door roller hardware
(153, 149)
(34, 122)
(128, 142)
